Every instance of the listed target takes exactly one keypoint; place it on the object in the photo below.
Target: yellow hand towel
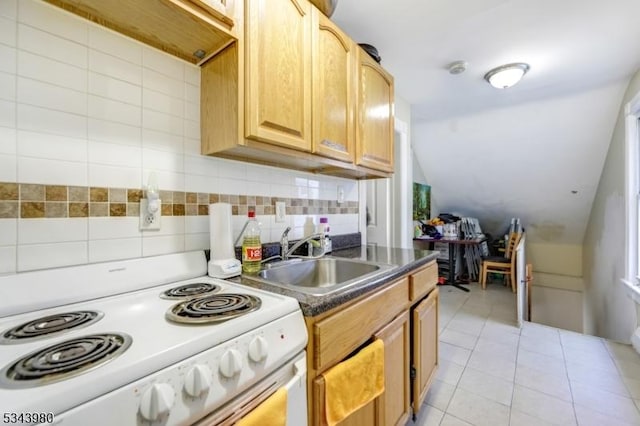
(353, 383)
(272, 412)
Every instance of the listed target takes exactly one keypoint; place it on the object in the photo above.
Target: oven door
(292, 376)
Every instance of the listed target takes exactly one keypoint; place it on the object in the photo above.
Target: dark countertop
(405, 260)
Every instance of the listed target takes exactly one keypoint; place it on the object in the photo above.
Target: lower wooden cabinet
(424, 362)
(392, 407)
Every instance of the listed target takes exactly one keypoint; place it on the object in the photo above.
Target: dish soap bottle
(251, 246)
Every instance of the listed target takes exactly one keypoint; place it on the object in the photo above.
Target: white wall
(608, 311)
(83, 106)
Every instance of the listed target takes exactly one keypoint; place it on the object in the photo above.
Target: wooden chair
(502, 265)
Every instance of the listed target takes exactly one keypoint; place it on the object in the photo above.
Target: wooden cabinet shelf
(178, 27)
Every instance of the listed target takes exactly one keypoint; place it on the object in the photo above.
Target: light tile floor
(493, 373)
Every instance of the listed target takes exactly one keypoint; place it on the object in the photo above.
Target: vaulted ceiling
(520, 152)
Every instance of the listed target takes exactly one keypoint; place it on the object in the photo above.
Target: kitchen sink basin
(320, 276)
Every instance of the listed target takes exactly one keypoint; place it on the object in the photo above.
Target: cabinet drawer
(338, 335)
(423, 281)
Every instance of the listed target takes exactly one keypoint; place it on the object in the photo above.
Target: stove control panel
(230, 363)
(197, 380)
(157, 401)
(258, 349)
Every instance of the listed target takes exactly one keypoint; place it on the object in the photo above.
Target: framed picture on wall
(421, 201)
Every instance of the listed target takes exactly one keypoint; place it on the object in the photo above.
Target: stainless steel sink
(320, 276)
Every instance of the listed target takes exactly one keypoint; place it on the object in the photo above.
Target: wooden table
(453, 243)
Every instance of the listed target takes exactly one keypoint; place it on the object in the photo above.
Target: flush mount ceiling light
(506, 75)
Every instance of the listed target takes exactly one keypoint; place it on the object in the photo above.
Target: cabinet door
(392, 407)
(374, 137)
(425, 346)
(278, 72)
(365, 415)
(334, 72)
(222, 10)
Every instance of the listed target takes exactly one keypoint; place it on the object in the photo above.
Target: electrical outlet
(281, 211)
(149, 221)
(340, 194)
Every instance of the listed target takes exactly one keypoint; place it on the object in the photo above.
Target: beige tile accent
(191, 209)
(191, 198)
(117, 209)
(179, 197)
(167, 209)
(178, 209)
(8, 191)
(30, 192)
(117, 195)
(234, 210)
(234, 199)
(214, 198)
(243, 210)
(78, 209)
(165, 196)
(55, 209)
(242, 200)
(133, 209)
(78, 193)
(134, 195)
(223, 198)
(203, 198)
(98, 194)
(56, 193)
(8, 209)
(32, 209)
(98, 209)
(203, 210)
(259, 210)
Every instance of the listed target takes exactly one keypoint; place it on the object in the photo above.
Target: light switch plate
(149, 221)
(281, 211)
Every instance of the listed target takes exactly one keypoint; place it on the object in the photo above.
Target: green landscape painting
(421, 201)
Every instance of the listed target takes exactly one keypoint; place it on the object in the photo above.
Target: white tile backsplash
(56, 172)
(31, 231)
(51, 121)
(114, 67)
(31, 65)
(8, 168)
(8, 258)
(9, 232)
(52, 147)
(114, 154)
(47, 18)
(107, 41)
(8, 141)
(45, 95)
(8, 60)
(114, 176)
(42, 256)
(7, 86)
(110, 110)
(112, 88)
(114, 249)
(51, 46)
(7, 31)
(81, 105)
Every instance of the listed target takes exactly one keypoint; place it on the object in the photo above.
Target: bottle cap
(324, 220)
(252, 213)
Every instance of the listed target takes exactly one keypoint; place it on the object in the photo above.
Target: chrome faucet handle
(284, 243)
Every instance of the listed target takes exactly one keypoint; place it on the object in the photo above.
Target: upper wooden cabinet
(375, 123)
(334, 72)
(278, 77)
(188, 29)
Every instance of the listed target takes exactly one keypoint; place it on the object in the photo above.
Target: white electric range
(145, 341)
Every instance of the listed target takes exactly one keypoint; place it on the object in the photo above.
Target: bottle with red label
(251, 246)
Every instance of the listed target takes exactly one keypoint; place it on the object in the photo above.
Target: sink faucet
(286, 251)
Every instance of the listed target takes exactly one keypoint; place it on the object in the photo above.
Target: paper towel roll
(220, 233)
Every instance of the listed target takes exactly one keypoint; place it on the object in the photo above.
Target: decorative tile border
(35, 201)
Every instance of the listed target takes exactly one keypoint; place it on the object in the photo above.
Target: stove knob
(157, 401)
(230, 363)
(258, 349)
(197, 381)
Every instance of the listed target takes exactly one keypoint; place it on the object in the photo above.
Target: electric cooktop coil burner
(63, 360)
(219, 307)
(189, 291)
(47, 326)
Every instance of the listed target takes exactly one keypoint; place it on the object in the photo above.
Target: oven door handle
(297, 395)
